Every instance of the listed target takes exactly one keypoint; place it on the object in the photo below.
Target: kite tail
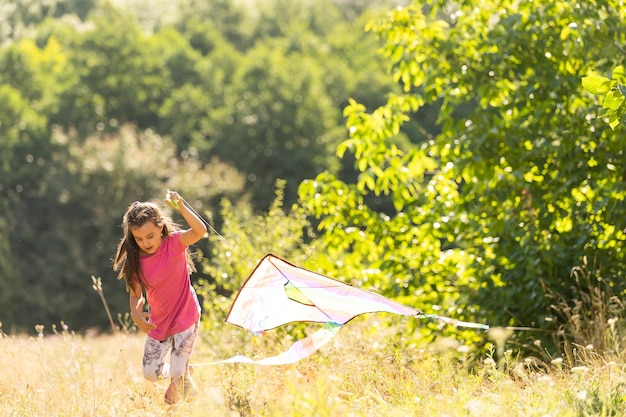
(454, 322)
(299, 350)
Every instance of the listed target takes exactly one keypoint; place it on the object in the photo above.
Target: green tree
(26, 97)
(516, 188)
(22, 18)
(30, 81)
(281, 113)
(279, 120)
(103, 105)
(120, 75)
(206, 23)
(192, 111)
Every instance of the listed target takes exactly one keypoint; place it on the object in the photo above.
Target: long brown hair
(127, 256)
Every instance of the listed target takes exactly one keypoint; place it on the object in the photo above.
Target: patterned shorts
(180, 345)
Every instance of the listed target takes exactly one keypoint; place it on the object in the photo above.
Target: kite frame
(407, 310)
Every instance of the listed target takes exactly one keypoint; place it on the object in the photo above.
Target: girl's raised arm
(197, 226)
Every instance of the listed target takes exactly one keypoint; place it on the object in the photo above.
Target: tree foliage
(106, 102)
(74, 217)
(612, 92)
(476, 174)
(277, 104)
(492, 213)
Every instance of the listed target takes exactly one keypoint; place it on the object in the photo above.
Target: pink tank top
(174, 305)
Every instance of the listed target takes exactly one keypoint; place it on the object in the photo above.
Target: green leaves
(596, 84)
(124, 101)
(512, 178)
(612, 93)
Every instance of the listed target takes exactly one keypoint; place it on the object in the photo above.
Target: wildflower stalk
(97, 286)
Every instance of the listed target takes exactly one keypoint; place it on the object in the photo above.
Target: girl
(153, 257)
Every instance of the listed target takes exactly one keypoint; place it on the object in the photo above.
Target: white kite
(278, 292)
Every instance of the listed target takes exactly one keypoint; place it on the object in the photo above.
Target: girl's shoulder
(173, 239)
(175, 233)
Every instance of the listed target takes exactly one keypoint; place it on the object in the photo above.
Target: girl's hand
(142, 318)
(143, 323)
(173, 199)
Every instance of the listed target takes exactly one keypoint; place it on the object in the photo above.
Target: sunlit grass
(363, 372)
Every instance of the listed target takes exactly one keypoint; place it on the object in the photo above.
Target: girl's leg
(182, 348)
(154, 353)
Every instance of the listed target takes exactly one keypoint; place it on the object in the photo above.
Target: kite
(278, 292)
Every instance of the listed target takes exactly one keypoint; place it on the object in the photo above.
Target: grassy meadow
(362, 372)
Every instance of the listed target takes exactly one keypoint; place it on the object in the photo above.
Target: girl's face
(148, 237)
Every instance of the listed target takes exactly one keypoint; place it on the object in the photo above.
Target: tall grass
(368, 370)
(364, 372)
(589, 312)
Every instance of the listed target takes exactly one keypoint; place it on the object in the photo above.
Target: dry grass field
(361, 373)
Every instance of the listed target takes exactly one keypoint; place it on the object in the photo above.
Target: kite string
(469, 324)
(217, 233)
(455, 322)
